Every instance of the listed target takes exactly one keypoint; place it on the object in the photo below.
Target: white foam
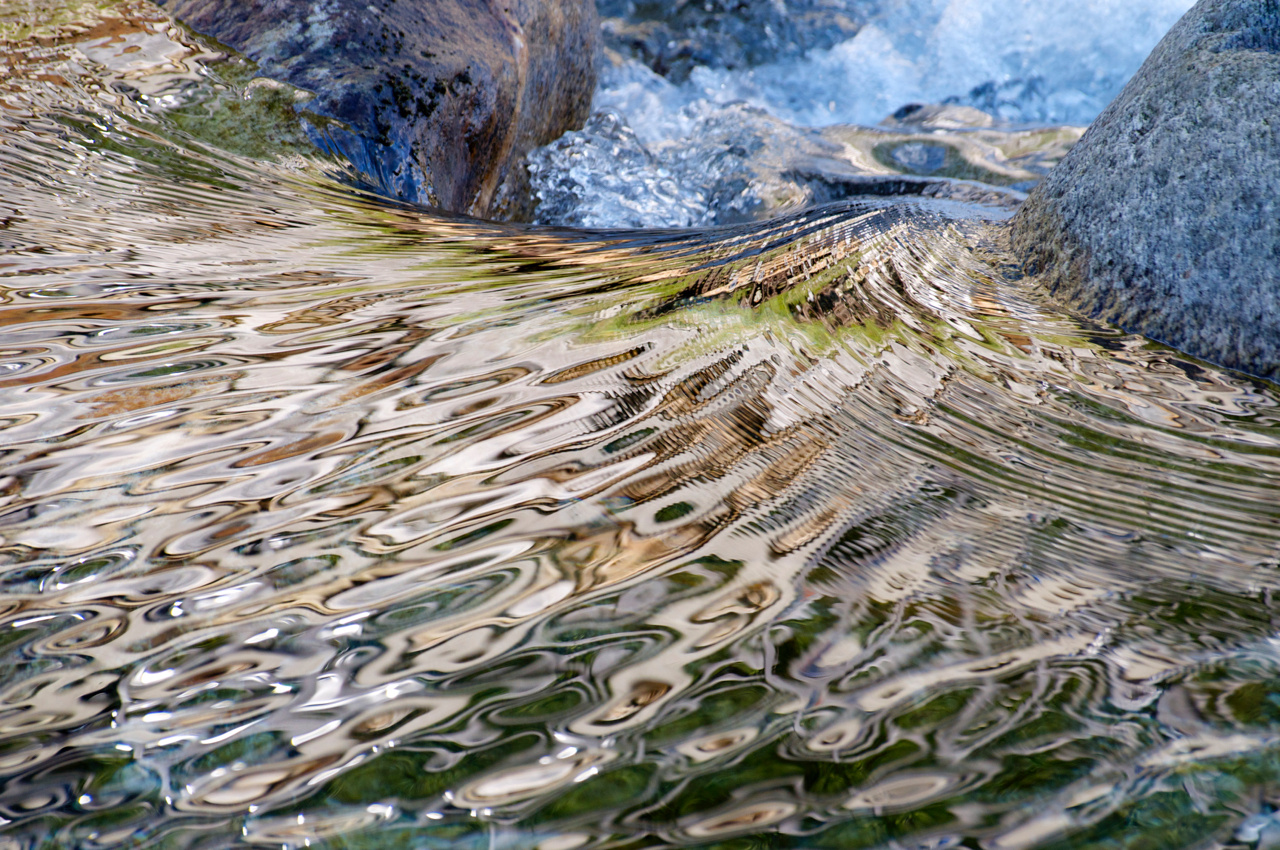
(1027, 61)
(1047, 62)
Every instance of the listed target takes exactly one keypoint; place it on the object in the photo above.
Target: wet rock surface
(1165, 218)
(436, 104)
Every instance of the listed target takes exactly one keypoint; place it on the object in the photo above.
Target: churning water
(666, 152)
(325, 522)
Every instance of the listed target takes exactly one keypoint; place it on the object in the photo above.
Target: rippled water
(325, 522)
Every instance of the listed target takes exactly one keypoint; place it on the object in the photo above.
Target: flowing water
(707, 149)
(327, 522)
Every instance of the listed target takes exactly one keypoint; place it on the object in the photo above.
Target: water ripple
(326, 520)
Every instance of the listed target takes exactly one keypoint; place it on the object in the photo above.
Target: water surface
(327, 522)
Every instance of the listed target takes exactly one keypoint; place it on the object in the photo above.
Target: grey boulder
(437, 101)
(1165, 218)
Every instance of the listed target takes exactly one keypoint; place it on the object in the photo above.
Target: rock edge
(1165, 217)
(437, 102)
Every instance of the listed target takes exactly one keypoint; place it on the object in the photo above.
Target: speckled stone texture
(441, 99)
(1165, 217)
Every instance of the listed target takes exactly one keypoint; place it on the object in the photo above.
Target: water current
(666, 151)
(328, 522)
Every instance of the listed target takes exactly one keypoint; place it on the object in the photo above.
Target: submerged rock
(1165, 218)
(439, 102)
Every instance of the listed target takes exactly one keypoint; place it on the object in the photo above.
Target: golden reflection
(293, 478)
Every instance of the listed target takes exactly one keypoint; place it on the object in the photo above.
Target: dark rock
(1165, 217)
(438, 101)
(674, 36)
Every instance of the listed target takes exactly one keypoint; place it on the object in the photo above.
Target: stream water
(328, 522)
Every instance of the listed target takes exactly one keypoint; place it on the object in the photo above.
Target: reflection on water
(327, 523)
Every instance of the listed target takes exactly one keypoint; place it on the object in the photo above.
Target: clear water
(329, 523)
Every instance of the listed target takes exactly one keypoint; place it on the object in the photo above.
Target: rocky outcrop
(437, 102)
(1165, 218)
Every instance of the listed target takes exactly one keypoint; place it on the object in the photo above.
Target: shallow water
(329, 523)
